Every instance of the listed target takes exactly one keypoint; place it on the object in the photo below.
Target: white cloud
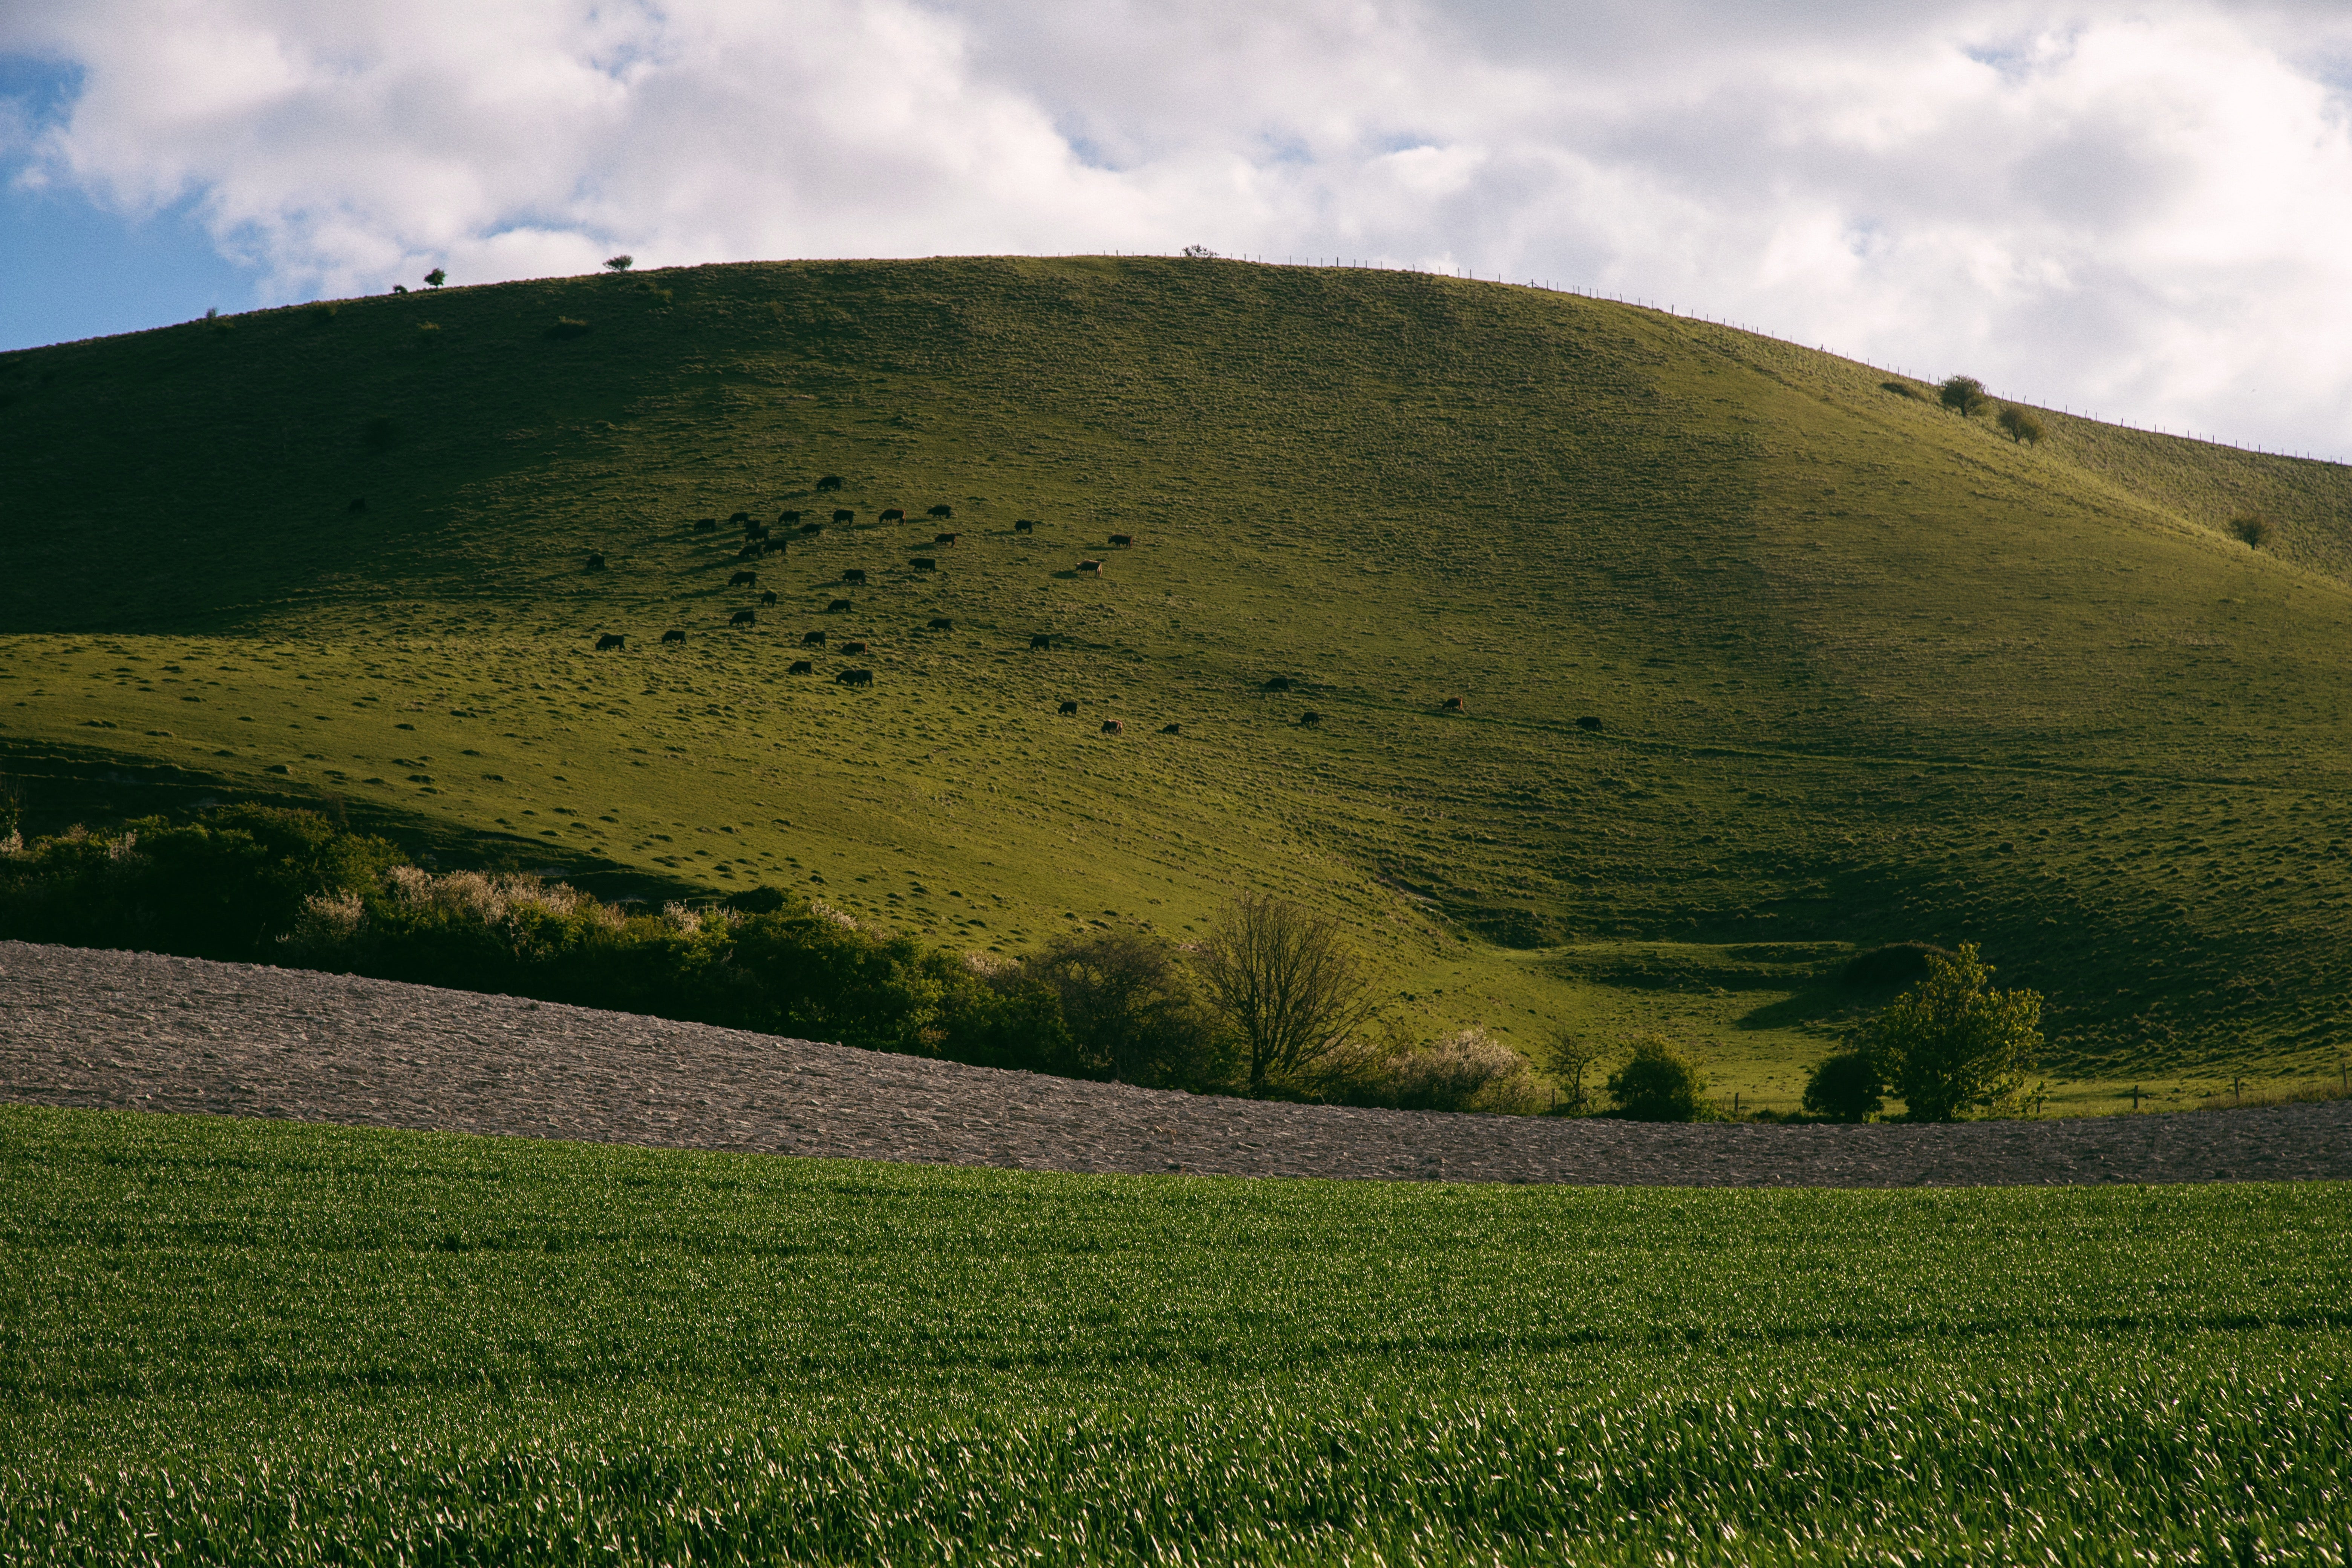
(2147, 210)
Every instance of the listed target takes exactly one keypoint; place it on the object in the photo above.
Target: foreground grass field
(1864, 671)
(260, 1342)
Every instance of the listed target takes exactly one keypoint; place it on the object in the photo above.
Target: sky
(2139, 210)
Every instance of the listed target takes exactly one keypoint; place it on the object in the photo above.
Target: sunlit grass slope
(259, 1342)
(1863, 671)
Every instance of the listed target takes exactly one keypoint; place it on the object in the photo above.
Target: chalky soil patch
(142, 1031)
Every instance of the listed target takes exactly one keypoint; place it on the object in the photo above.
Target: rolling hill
(1763, 657)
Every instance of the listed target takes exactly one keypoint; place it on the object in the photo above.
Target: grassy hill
(1863, 671)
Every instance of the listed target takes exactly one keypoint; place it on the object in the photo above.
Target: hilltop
(1862, 671)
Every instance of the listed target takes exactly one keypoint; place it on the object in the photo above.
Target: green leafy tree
(1845, 1088)
(1658, 1083)
(1568, 1057)
(1951, 1043)
(621, 263)
(434, 278)
(1963, 394)
(2022, 423)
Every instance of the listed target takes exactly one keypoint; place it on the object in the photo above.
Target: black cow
(1275, 683)
(852, 575)
(856, 678)
(1171, 729)
(673, 636)
(595, 562)
(802, 667)
(941, 623)
(1588, 722)
(755, 530)
(1023, 525)
(1092, 568)
(1124, 541)
(788, 517)
(1310, 717)
(739, 517)
(924, 563)
(893, 515)
(811, 639)
(768, 598)
(772, 547)
(744, 579)
(1454, 705)
(1043, 640)
(830, 482)
(837, 607)
(611, 639)
(750, 552)
(812, 528)
(843, 514)
(852, 647)
(744, 618)
(1067, 708)
(945, 537)
(1113, 727)
(940, 510)
(706, 524)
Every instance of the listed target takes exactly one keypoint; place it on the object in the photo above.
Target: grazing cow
(853, 574)
(1043, 640)
(945, 537)
(856, 678)
(893, 515)
(940, 510)
(811, 639)
(924, 563)
(848, 648)
(755, 530)
(673, 636)
(1454, 705)
(739, 517)
(744, 618)
(1113, 727)
(830, 482)
(611, 639)
(843, 514)
(1023, 525)
(1275, 683)
(1092, 568)
(1588, 722)
(750, 552)
(942, 624)
(772, 547)
(1171, 729)
(768, 598)
(802, 667)
(835, 607)
(788, 517)
(1310, 717)
(706, 524)
(812, 528)
(744, 579)
(1068, 710)
(1123, 540)
(595, 562)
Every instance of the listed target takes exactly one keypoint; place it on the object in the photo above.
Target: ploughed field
(265, 1342)
(1862, 671)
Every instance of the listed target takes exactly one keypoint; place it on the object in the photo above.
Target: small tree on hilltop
(1658, 1083)
(2022, 423)
(1287, 984)
(621, 263)
(434, 278)
(1568, 1057)
(1951, 1043)
(1963, 394)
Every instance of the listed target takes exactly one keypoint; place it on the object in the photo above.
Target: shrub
(1658, 1083)
(2257, 530)
(1468, 1070)
(568, 327)
(1963, 394)
(1844, 1088)
(1131, 1012)
(1949, 1043)
(434, 278)
(1899, 388)
(620, 263)
(2022, 423)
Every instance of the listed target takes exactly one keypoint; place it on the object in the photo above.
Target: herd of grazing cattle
(758, 543)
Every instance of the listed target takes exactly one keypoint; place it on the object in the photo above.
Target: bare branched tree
(1568, 1057)
(1289, 986)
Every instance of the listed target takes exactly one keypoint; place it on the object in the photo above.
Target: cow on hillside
(673, 634)
(744, 579)
(942, 509)
(893, 515)
(595, 561)
(768, 598)
(856, 678)
(744, 618)
(1123, 540)
(850, 648)
(830, 482)
(811, 639)
(941, 623)
(852, 575)
(924, 563)
(1454, 705)
(1043, 640)
(835, 607)
(945, 537)
(802, 667)
(1068, 710)
(1113, 727)
(611, 640)
(1091, 568)
(843, 514)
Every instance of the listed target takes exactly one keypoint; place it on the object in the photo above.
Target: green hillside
(1864, 671)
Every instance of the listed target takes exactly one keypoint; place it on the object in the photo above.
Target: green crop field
(1863, 670)
(261, 1343)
